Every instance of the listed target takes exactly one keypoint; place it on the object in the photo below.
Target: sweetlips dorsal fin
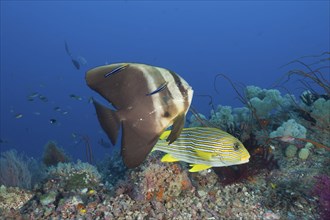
(109, 121)
(176, 128)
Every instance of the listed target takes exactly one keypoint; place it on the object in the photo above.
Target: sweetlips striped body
(203, 148)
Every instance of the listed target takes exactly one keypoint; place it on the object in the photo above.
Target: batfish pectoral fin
(109, 121)
(199, 167)
(136, 144)
(176, 128)
(169, 158)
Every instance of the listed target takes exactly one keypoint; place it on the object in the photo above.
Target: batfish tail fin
(109, 121)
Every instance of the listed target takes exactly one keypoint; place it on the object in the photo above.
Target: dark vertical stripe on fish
(183, 90)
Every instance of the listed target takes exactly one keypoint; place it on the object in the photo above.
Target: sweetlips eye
(236, 146)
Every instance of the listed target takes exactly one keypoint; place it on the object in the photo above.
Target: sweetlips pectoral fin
(204, 155)
(136, 144)
(176, 128)
(199, 167)
(168, 158)
(109, 121)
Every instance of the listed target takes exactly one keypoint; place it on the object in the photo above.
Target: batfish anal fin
(136, 144)
(176, 128)
(169, 158)
(109, 121)
(199, 167)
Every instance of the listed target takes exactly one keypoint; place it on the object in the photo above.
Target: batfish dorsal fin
(136, 145)
(109, 121)
(176, 128)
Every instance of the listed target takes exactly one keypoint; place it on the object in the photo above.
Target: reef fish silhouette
(75, 63)
(146, 99)
(67, 49)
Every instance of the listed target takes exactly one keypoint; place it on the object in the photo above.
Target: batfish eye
(236, 147)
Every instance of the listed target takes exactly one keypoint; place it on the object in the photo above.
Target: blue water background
(246, 40)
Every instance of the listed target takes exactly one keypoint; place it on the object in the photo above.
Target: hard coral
(13, 198)
(159, 181)
(76, 175)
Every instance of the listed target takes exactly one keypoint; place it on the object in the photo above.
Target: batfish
(146, 101)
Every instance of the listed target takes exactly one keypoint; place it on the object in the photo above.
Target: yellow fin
(165, 134)
(199, 167)
(169, 158)
(204, 155)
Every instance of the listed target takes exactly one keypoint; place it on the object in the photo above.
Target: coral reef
(75, 175)
(160, 181)
(12, 200)
(289, 129)
(167, 191)
(112, 169)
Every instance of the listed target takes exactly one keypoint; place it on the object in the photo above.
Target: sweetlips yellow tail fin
(199, 167)
(204, 155)
(169, 158)
(165, 134)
